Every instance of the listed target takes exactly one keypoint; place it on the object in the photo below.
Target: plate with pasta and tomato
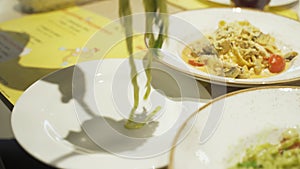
(239, 47)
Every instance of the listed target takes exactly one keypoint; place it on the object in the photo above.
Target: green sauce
(284, 155)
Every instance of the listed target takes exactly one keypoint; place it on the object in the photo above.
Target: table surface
(10, 151)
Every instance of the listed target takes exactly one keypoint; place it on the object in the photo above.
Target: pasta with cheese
(243, 51)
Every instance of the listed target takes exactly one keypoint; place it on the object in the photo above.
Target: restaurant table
(12, 155)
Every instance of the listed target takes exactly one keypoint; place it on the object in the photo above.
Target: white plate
(249, 117)
(273, 3)
(206, 21)
(65, 131)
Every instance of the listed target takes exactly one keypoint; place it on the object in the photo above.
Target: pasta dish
(284, 155)
(240, 50)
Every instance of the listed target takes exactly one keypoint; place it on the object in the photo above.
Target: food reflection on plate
(243, 52)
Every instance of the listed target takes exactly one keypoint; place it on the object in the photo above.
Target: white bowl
(249, 117)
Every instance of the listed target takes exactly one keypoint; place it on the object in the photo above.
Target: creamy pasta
(243, 51)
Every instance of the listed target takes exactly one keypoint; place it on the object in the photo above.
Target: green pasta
(284, 155)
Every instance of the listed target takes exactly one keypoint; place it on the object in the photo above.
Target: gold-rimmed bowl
(249, 117)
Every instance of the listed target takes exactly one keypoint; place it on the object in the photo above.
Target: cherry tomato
(195, 63)
(276, 63)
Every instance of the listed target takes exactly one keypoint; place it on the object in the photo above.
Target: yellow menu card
(36, 45)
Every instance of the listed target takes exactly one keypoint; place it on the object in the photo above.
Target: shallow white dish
(206, 21)
(249, 117)
(273, 3)
(63, 129)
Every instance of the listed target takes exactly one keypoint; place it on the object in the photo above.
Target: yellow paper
(36, 45)
(198, 4)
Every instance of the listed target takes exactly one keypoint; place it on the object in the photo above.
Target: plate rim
(158, 160)
(43, 159)
(231, 94)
